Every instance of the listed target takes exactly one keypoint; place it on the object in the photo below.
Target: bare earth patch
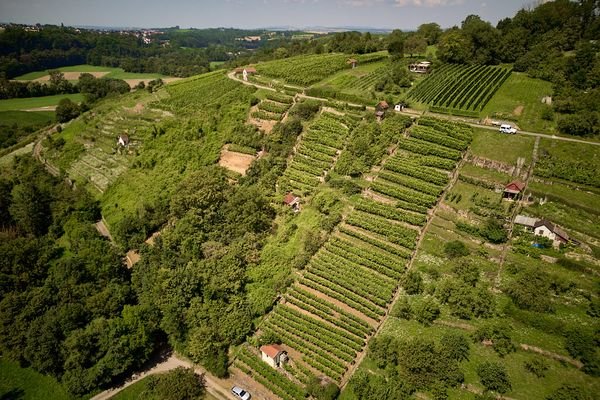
(73, 76)
(518, 111)
(264, 125)
(237, 162)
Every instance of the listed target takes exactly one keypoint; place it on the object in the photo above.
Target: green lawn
(26, 118)
(36, 102)
(568, 195)
(27, 384)
(521, 90)
(484, 173)
(501, 147)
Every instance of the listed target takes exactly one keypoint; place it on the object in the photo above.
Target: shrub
(426, 310)
(66, 110)
(499, 333)
(493, 376)
(568, 392)
(537, 366)
(412, 283)
(402, 309)
(455, 249)
(455, 345)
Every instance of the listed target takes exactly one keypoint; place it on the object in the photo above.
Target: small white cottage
(273, 354)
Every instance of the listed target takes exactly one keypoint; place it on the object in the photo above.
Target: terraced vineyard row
(315, 155)
(273, 107)
(306, 70)
(346, 289)
(460, 87)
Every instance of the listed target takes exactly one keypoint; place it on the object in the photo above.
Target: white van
(505, 128)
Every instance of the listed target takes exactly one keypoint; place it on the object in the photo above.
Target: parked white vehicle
(240, 393)
(505, 128)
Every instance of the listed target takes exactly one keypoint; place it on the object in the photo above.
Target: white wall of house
(269, 360)
(545, 232)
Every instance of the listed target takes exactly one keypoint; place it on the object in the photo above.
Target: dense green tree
(415, 44)
(454, 47)
(499, 334)
(530, 290)
(493, 376)
(455, 345)
(178, 384)
(412, 283)
(66, 110)
(426, 310)
(455, 249)
(396, 43)
(430, 31)
(569, 392)
(30, 208)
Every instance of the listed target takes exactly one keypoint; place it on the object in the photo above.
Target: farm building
(513, 190)
(382, 106)
(421, 67)
(123, 140)
(249, 70)
(399, 107)
(549, 230)
(379, 115)
(292, 201)
(274, 355)
(353, 62)
(527, 222)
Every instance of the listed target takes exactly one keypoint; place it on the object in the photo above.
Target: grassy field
(36, 102)
(27, 384)
(502, 147)
(116, 73)
(26, 118)
(519, 90)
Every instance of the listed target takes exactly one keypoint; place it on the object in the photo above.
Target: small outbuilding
(353, 62)
(421, 67)
(527, 222)
(292, 201)
(123, 140)
(513, 190)
(548, 230)
(382, 106)
(274, 355)
(379, 115)
(399, 107)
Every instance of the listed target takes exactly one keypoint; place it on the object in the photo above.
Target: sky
(385, 14)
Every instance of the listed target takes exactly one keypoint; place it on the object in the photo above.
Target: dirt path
(219, 388)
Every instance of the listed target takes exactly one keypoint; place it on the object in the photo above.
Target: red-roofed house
(382, 105)
(273, 354)
(293, 201)
(513, 190)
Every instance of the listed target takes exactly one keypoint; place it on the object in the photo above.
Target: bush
(493, 376)
(455, 345)
(497, 332)
(455, 249)
(66, 110)
(537, 367)
(319, 391)
(426, 310)
(568, 392)
(494, 231)
(412, 283)
(402, 309)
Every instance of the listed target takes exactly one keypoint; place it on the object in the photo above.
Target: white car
(505, 128)
(240, 393)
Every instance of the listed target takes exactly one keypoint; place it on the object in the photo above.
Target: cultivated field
(345, 291)
(460, 89)
(72, 74)
(306, 70)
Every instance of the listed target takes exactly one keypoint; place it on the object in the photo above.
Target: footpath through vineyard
(346, 291)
